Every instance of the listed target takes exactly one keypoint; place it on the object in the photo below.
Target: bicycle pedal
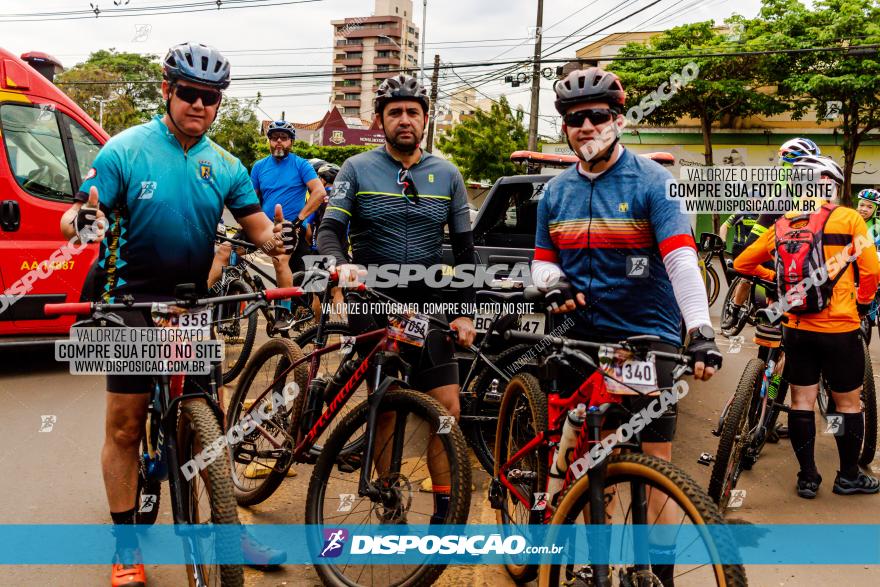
(496, 497)
(716, 432)
(706, 459)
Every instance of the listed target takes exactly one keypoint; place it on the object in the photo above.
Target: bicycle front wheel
(869, 408)
(713, 284)
(641, 489)
(416, 446)
(258, 465)
(236, 331)
(522, 416)
(208, 498)
(734, 434)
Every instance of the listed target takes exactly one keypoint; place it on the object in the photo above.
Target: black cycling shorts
(128, 384)
(433, 365)
(836, 357)
(660, 429)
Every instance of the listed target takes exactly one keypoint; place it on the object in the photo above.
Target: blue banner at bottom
(772, 544)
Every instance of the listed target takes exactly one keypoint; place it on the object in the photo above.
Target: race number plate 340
(621, 366)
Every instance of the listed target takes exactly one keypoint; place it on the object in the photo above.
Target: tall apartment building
(369, 49)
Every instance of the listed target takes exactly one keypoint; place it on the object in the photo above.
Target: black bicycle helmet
(589, 85)
(401, 87)
(328, 172)
(197, 63)
(317, 164)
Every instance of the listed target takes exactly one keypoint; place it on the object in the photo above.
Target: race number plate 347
(621, 366)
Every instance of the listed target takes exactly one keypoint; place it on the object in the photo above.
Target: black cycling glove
(704, 351)
(558, 294)
(291, 232)
(864, 309)
(85, 224)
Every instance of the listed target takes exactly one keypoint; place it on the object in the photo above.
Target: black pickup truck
(504, 229)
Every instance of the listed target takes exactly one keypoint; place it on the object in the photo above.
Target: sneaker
(807, 487)
(128, 575)
(259, 556)
(861, 484)
(732, 317)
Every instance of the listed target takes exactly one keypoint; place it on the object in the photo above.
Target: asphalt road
(54, 477)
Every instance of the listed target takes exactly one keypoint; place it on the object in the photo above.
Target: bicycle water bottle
(340, 378)
(773, 386)
(567, 443)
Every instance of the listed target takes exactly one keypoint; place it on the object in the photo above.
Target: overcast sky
(297, 38)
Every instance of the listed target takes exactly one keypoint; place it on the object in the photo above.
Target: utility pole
(536, 80)
(435, 78)
(424, 24)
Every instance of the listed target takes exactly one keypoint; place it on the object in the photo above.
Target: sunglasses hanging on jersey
(596, 116)
(190, 95)
(408, 186)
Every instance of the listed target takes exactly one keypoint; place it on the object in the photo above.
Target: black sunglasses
(189, 95)
(596, 116)
(409, 186)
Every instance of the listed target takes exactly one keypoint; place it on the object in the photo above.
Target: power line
(155, 10)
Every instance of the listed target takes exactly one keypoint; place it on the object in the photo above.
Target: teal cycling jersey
(163, 205)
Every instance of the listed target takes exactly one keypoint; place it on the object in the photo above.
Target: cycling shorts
(837, 357)
(661, 429)
(128, 384)
(433, 365)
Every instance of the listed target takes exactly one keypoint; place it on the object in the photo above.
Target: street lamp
(424, 24)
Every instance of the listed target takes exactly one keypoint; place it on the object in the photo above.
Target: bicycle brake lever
(253, 307)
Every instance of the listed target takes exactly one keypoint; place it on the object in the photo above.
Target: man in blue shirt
(284, 178)
(160, 189)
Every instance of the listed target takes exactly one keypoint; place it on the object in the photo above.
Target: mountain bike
(485, 369)
(750, 415)
(181, 422)
(535, 432)
(238, 332)
(373, 464)
(712, 246)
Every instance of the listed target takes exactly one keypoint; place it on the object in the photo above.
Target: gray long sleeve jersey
(384, 225)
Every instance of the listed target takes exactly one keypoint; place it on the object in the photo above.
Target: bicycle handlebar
(80, 308)
(559, 342)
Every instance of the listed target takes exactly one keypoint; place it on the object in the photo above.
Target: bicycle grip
(523, 336)
(283, 293)
(67, 308)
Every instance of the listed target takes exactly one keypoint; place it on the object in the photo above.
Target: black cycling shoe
(732, 317)
(861, 484)
(808, 488)
(782, 431)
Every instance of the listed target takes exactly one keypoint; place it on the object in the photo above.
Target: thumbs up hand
(91, 223)
(286, 231)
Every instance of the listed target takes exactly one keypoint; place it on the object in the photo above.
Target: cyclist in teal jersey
(160, 188)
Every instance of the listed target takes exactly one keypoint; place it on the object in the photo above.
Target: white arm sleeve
(688, 286)
(545, 273)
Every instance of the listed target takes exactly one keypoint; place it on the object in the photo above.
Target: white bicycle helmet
(794, 149)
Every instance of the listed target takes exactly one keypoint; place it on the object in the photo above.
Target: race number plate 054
(412, 330)
(621, 366)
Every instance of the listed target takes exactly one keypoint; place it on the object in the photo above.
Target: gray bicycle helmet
(401, 87)
(197, 63)
(282, 126)
(589, 85)
(824, 166)
(328, 172)
(317, 163)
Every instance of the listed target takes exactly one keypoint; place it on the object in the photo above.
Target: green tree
(481, 146)
(125, 82)
(237, 129)
(810, 80)
(724, 88)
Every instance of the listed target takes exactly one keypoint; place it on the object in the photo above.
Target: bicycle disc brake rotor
(396, 499)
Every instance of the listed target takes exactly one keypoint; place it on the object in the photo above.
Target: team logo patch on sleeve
(92, 173)
(205, 170)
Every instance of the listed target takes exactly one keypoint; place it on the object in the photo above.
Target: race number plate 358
(196, 320)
